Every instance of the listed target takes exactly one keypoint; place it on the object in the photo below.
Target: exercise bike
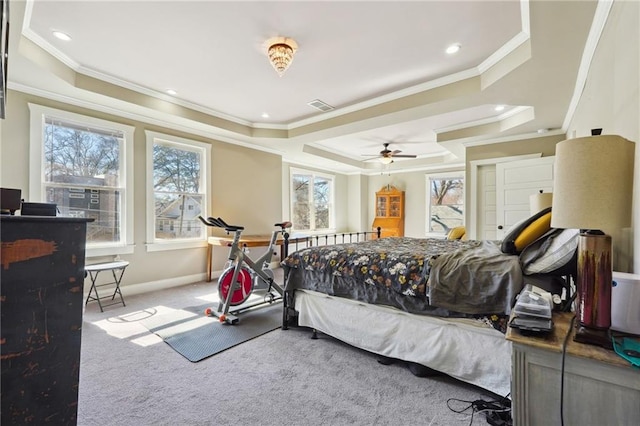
(242, 274)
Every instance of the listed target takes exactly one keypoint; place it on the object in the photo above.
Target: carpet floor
(129, 376)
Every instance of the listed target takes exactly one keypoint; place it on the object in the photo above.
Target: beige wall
(246, 190)
(358, 202)
(546, 145)
(611, 101)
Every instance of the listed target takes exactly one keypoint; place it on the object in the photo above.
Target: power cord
(564, 353)
(497, 413)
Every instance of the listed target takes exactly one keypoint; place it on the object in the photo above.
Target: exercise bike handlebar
(220, 223)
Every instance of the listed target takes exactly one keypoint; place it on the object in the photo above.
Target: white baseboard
(130, 290)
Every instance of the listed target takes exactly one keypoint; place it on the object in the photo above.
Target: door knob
(499, 226)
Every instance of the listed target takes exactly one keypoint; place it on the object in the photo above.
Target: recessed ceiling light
(171, 92)
(499, 107)
(453, 48)
(62, 36)
(265, 115)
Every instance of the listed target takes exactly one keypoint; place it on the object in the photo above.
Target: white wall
(611, 101)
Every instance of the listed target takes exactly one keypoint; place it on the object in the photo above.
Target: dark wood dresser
(41, 301)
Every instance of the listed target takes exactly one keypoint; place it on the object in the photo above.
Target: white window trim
(428, 177)
(332, 213)
(177, 244)
(36, 173)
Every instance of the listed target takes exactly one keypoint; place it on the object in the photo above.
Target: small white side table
(117, 269)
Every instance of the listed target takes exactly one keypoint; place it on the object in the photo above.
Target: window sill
(109, 250)
(175, 245)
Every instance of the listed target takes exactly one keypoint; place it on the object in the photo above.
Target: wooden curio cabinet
(389, 212)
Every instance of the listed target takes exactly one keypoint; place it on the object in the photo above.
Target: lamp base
(593, 286)
(593, 336)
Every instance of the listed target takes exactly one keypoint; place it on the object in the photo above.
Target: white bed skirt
(463, 349)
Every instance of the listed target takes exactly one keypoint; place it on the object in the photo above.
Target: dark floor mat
(197, 337)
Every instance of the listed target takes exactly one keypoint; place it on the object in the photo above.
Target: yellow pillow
(456, 233)
(533, 231)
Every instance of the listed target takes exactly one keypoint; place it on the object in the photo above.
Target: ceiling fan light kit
(280, 51)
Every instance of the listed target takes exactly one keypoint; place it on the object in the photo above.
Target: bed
(439, 303)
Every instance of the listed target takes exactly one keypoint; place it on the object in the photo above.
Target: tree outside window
(177, 190)
(82, 176)
(312, 201)
(446, 203)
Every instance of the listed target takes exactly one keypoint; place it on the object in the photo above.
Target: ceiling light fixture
(280, 51)
(386, 160)
(62, 36)
(453, 48)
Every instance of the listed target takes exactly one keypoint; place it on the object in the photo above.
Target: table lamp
(592, 192)
(540, 201)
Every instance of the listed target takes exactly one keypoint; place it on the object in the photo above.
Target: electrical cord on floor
(497, 412)
(564, 353)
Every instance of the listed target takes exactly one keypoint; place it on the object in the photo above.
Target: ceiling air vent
(318, 104)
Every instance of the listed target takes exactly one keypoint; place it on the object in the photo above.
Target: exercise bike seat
(284, 225)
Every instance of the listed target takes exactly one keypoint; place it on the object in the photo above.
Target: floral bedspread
(389, 271)
(401, 264)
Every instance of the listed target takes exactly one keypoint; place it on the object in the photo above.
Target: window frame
(332, 209)
(38, 114)
(458, 174)
(153, 244)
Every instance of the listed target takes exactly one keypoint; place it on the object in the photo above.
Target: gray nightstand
(600, 388)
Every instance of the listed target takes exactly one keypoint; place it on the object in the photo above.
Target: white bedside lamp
(592, 191)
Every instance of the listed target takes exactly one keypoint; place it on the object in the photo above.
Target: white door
(487, 202)
(515, 182)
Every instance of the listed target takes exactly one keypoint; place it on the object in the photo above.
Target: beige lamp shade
(539, 202)
(593, 183)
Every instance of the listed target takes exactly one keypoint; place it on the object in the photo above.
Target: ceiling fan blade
(387, 153)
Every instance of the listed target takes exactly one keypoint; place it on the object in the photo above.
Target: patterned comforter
(397, 271)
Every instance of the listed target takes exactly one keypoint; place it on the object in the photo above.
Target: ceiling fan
(386, 156)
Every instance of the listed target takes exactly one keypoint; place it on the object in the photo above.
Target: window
(445, 202)
(312, 207)
(177, 182)
(84, 165)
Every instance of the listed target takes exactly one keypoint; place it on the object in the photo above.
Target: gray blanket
(475, 281)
